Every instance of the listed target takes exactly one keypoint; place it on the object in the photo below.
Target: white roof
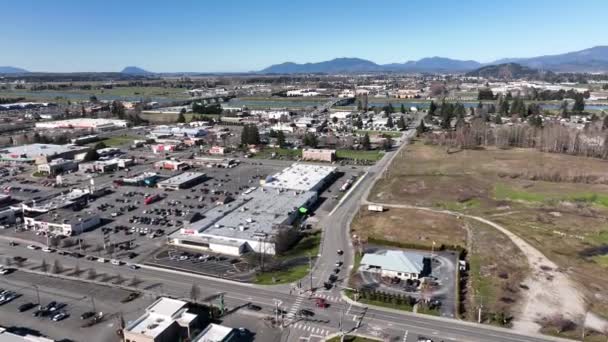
(214, 333)
(300, 177)
(159, 316)
(398, 261)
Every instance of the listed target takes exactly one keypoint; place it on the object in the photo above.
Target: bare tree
(195, 293)
(91, 274)
(56, 269)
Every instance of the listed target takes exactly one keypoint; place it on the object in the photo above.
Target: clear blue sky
(227, 35)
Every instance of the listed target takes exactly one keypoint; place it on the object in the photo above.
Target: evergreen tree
(401, 123)
(281, 139)
(402, 109)
(579, 103)
(359, 122)
(564, 110)
(245, 135)
(503, 107)
(181, 118)
(432, 108)
(365, 142)
(389, 122)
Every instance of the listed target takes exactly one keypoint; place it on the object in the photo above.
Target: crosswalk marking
(313, 330)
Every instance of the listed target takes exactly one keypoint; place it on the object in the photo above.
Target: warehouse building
(97, 125)
(249, 223)
(301, 177)
(40, 153)
(182, 181)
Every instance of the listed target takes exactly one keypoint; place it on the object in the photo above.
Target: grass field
(124, 140)
(558, 203)
(308, 245)
(359, 155)
(392, 134)
(283, 153)
(283, 276)
(126, 93)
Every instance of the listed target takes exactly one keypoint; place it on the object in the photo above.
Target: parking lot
(133, 232)
(72, 298)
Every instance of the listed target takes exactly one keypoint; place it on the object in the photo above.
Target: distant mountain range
(589, 60)
(594, 59)
(12, 70)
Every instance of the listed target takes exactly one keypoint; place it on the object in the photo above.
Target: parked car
(60, 316)
(25, 307)
(87, 315)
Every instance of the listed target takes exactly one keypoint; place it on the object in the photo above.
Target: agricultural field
(556, 203)
(116, 93)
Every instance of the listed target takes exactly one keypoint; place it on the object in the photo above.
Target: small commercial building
(100, 166)
(62, 222)
(182, 181)
(216, 333)
(163, 148)
(396, 264)
(173, 165)
(319, 154)
(165, 320)
(57, 166)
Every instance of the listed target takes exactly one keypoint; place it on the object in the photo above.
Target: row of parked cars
(199, 257)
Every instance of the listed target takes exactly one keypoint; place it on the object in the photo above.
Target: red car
(321, 303)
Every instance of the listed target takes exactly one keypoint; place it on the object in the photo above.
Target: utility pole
(93, 304)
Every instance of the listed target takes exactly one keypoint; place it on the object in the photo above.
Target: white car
(116, 262)
(48, 250)
(32, 247)
(3, 270)
(102, 260)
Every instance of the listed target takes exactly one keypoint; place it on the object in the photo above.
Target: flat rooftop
(214, 333)
(34, 150)
(301, 177)
(182, 178)
(159, 316)
(248, 216)
(65, 216)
